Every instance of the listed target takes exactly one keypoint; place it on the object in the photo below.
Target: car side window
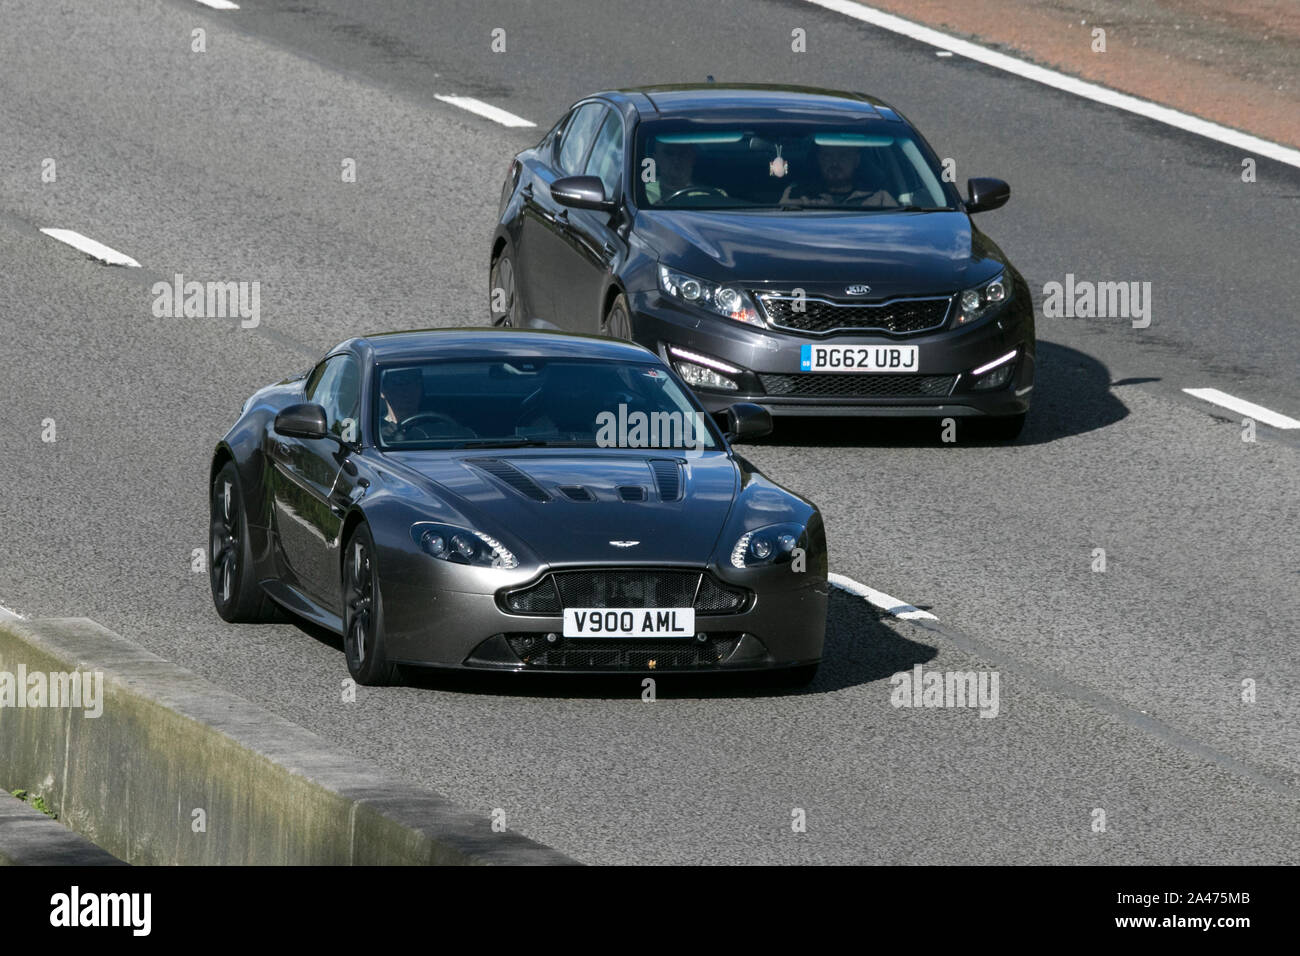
(313, 380)
(606, 160)
(339, 392)
(577, 137)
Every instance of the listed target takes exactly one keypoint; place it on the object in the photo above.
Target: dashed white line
(96, 250)
(1091, 91)
(1243, 407)
(487, 110)
(890, 605)
(219, 4)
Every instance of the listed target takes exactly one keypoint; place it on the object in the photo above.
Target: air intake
(668, 478)
(631, 492)
(507, 473)
(576, 493)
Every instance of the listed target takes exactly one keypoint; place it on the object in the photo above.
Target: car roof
(684, 100)
(482, 342)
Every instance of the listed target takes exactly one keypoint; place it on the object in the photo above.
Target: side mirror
(986, 194)
(306, 420)
(582, 192)
(747, 421)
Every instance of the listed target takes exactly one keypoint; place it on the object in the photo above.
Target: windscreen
(540, 401)
(785, 165)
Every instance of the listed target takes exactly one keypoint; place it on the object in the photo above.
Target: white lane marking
(494, 113)
(219, 4)
(1243, 407)
(8, 615)
(880, 599)
(1091, 91)
(92, 248)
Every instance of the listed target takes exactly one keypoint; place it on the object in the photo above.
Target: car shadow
(1072, 395)
(860, 649)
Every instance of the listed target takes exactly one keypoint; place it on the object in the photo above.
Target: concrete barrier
(168, 743)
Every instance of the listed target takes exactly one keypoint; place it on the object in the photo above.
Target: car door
(544, 234)
(310, 485)
(594, 242)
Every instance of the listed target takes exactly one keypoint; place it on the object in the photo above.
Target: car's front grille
(821, 316)
(630, 588)
(626, 587)
(623, 654)
(857, 385)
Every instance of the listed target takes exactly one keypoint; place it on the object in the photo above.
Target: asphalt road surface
(1119, 691)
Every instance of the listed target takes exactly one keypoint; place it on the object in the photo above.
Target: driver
(401, 392)
(838, 166)
(674, 167)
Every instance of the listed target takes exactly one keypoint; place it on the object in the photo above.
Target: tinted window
(578, 136)
(606, 160)
(563, 402)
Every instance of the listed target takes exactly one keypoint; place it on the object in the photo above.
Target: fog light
(995, 374)
(697, 376)
(994, 379)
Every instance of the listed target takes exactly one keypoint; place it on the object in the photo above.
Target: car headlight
(976, 303)
(762, 546)
(721, 300)
(462, 546)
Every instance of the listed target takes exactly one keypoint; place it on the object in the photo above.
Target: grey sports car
(514, 501)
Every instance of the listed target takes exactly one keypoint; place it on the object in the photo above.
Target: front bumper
(768, 360)
(783, 625)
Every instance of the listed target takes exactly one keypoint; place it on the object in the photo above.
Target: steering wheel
(695, 191)
(410, 420)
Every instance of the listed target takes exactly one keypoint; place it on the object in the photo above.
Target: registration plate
(858, 358)
(629, 622)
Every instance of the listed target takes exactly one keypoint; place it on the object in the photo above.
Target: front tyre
(238, 597)
(618, 320)
(503, 303)
(363, 613)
